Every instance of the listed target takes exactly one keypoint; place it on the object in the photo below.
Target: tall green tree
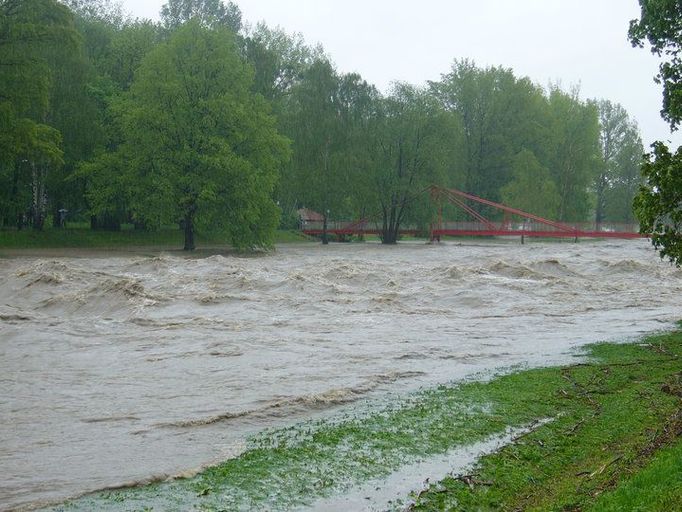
(532, 188)
(32, 34)
(500, 116)
(659, 203)
(660, 26)
(412, 152)
(75, 112)
(360, 107)
(114, 46)
(109, 11)
(129, 44)
(280, 61)
(210, 13)
(314, 123)
(626, 184)
(199, 145)
(574, 154)
(618, 178)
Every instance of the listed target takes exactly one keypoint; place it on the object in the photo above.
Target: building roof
(306, 214)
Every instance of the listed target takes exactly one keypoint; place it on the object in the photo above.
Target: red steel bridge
(514, 222)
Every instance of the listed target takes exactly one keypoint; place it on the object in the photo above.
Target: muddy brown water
(120, 369)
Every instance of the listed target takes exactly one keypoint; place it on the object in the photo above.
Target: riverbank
(124, 240)
(602, 434)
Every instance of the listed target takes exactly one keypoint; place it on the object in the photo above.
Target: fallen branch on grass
(472, 481)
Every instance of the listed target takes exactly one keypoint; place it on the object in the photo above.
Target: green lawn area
(658, 487)
(73, 237)
(612, 444)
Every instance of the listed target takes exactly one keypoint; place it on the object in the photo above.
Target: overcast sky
(567, 41)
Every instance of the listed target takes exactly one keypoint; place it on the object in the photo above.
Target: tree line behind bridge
(202, 121)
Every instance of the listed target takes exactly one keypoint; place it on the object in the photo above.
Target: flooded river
(120, 369)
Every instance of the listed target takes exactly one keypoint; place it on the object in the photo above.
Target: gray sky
(566, 41)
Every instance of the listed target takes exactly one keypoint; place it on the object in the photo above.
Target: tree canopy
(37, 38)
(658, 204)
(210, 13)
(203, 121)
(203, 147)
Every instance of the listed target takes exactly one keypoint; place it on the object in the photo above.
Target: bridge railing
(532, 226)
(610, 227)
(604, 227)
(518, 227)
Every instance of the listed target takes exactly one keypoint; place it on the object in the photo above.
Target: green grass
(658, 487)
(612, 417)
(83, 237)
(291, 236)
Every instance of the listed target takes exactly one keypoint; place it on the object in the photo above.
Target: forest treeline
(203, 121)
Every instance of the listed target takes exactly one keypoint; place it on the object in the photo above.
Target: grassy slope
(616, 415)
(611, 419)
(658, 487)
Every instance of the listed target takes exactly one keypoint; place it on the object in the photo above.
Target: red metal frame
(450, 192)
(458, 198)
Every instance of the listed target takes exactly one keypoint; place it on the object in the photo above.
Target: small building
(309, 218)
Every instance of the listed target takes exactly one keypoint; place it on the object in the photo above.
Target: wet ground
(117, 368)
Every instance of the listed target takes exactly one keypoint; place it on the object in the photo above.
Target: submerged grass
(611, 418)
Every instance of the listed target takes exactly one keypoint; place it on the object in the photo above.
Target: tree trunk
(325, 213)
(325, 237)
(39, 197)
(189, 229)
(389, 235)
(601, 203)
(19, 214)
(105, 222)
(390, 238)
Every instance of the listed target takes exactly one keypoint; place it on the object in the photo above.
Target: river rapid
(118, 369)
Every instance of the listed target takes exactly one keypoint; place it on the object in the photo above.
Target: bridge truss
(515, 222)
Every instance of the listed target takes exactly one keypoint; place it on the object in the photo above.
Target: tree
(314, 123)
(626, 183)
(574, 142)
(114, 46)
(40, 152)
(359, 106)
(102, 10)
(659, 203)
(411, 145)
(532, 188)
(199, 146)
(660, 25)
(34, 37)
(32, 150)
(618, 178)
(500, 116)
(129, 44)
(503, 116)
(279, 59)
(210, 13)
